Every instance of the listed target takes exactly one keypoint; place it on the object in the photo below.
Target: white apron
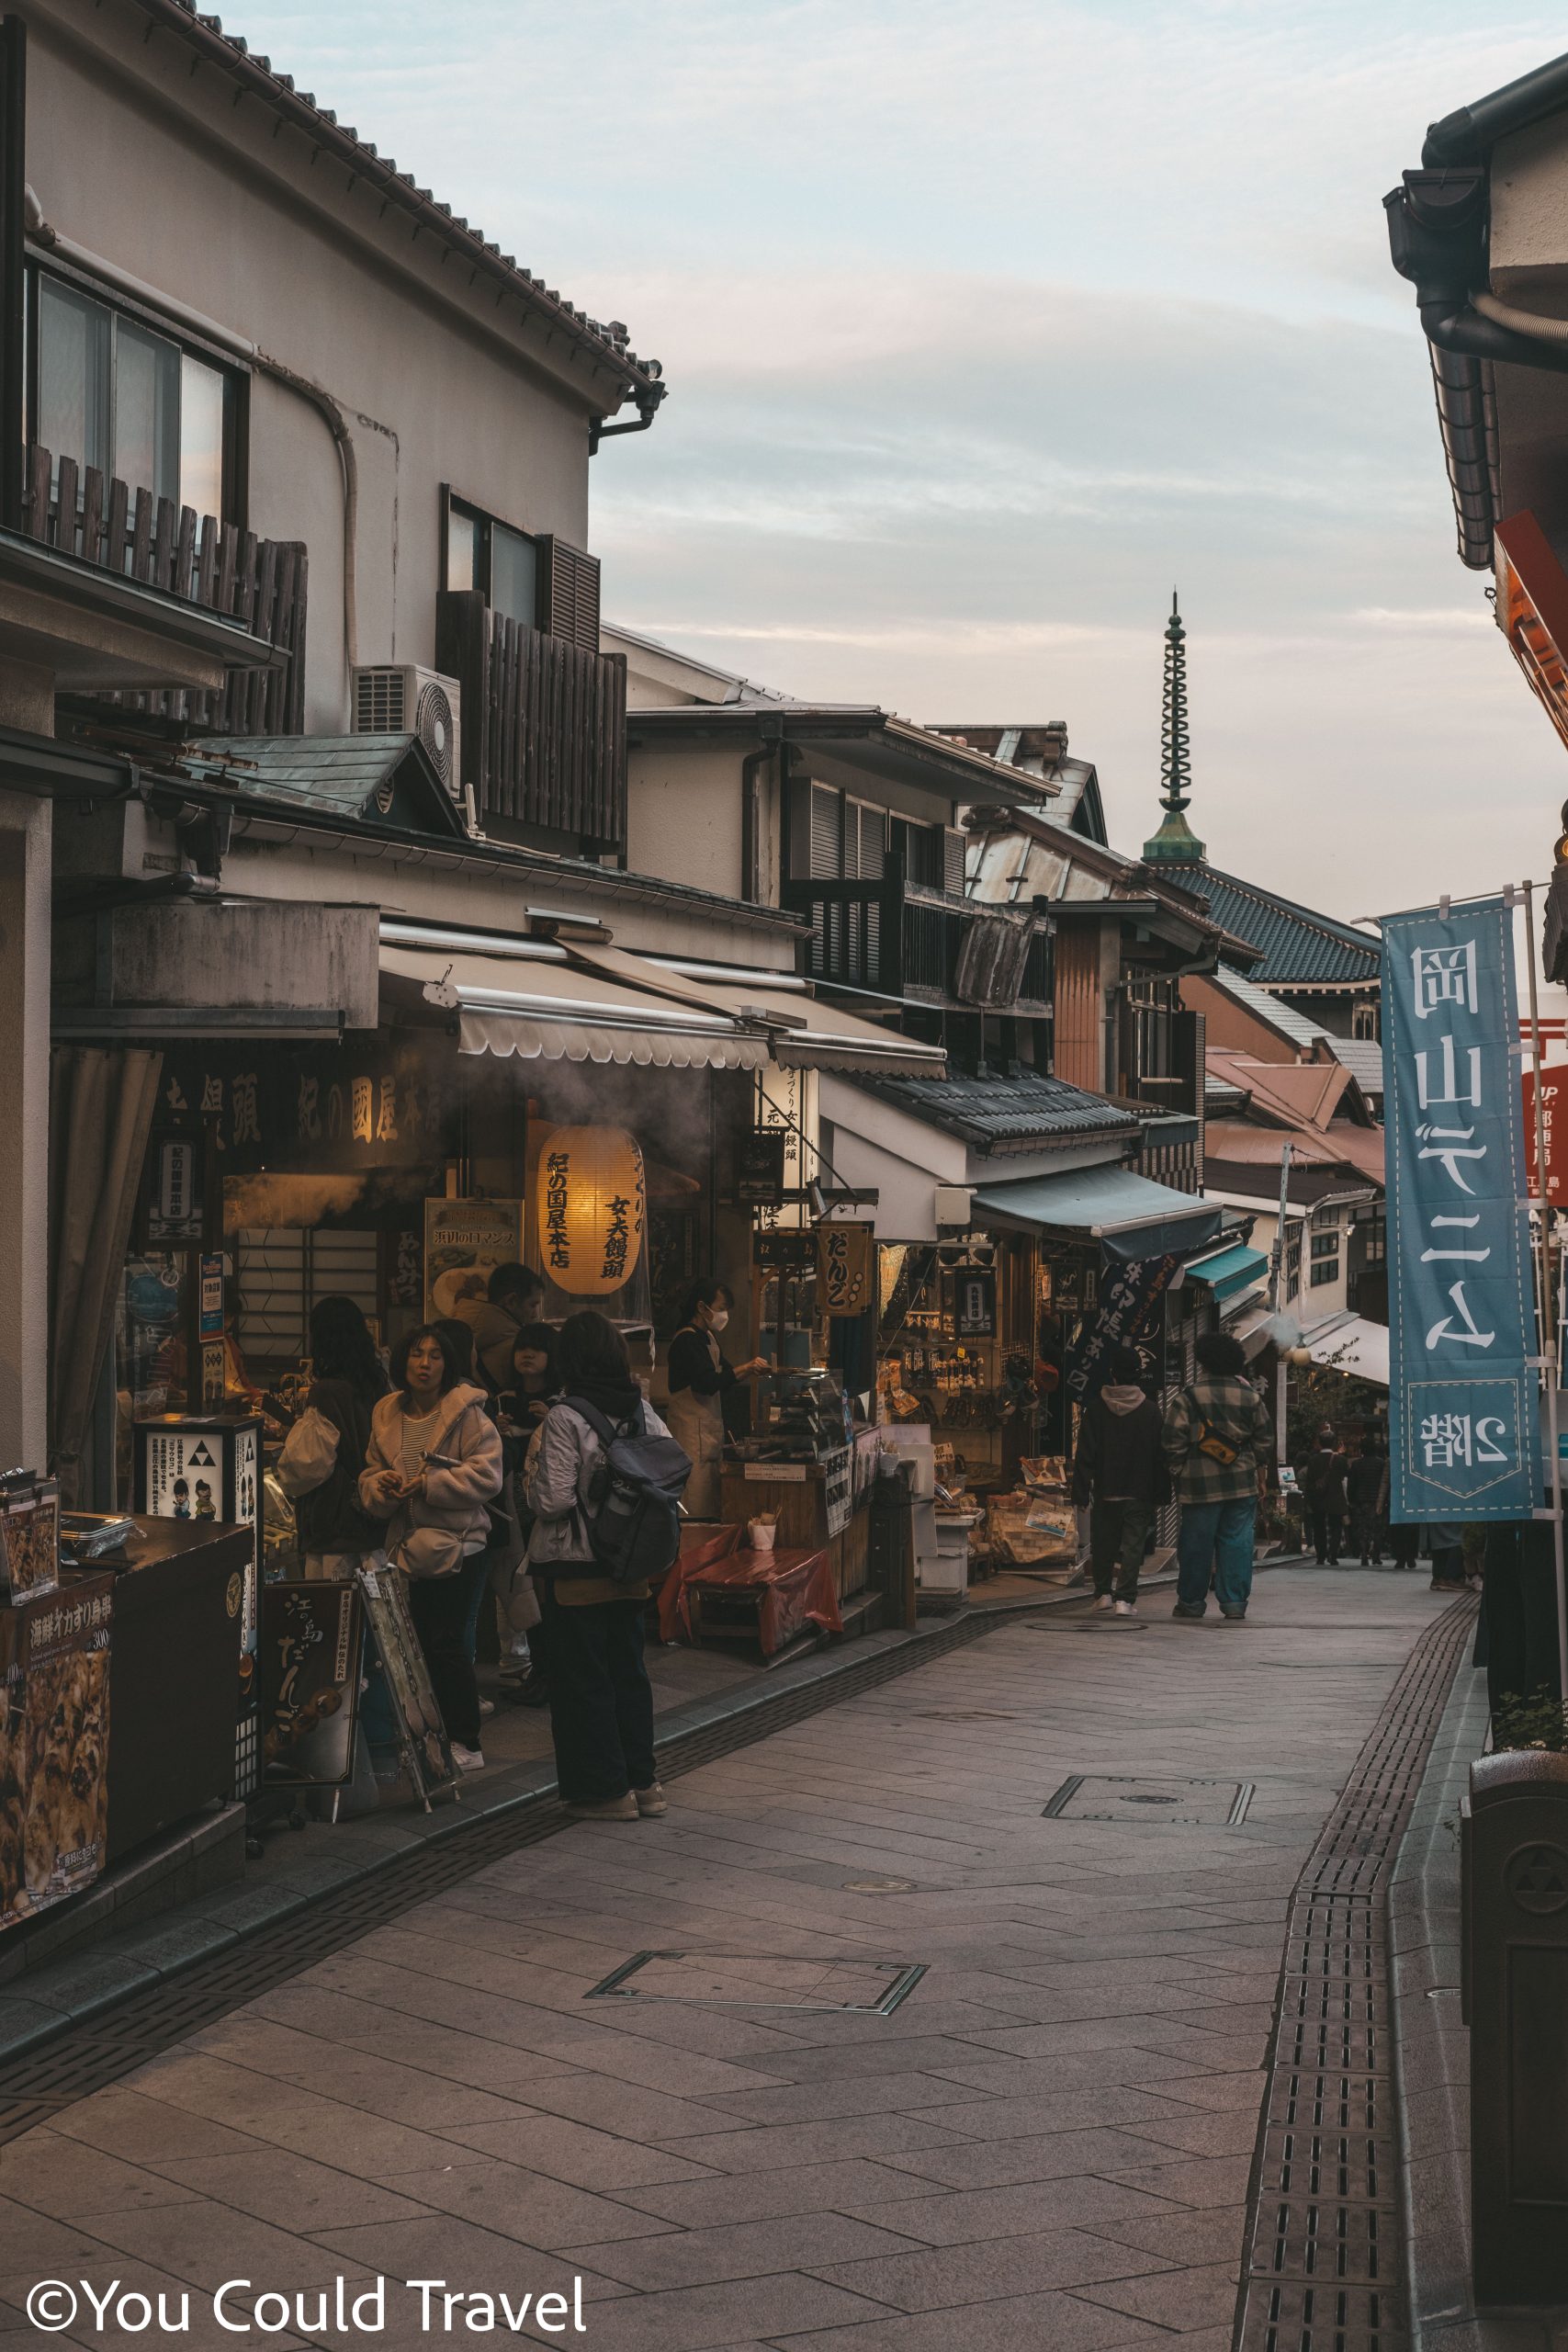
(697, 1423)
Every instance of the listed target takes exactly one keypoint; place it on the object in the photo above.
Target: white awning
(584, 1001)
(1351, 1344)
(535, 1002)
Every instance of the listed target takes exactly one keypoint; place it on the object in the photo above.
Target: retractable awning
(1128, 1215)
(1229, 1273)
(531, 1000)
(590, 1002)
(1351, 1344)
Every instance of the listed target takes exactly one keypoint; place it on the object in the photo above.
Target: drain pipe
(179, 313)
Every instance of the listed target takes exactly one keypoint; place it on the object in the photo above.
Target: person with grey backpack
(604, 1482)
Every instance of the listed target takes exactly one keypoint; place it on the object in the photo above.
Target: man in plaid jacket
(1216, 1442)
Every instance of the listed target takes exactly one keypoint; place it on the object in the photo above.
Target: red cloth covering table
(792, 1588)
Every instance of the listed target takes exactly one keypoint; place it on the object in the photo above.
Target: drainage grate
(1125, 1796)
(88, 2054)
(761, 1981)
(1323, 2267)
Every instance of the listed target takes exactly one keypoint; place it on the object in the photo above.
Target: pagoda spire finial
(1175, 842)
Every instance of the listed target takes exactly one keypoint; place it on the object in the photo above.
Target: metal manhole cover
(754, 1981)
(1125, 1796)
(877, 1885)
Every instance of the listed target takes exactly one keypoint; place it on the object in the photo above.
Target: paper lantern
(591, 1209)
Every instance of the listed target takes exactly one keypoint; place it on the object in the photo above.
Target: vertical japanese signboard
(1462, 1318)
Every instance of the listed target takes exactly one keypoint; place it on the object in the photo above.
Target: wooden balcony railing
(901, 939)
(259, 582)
(543, 723)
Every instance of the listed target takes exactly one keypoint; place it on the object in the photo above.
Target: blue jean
(1219, 1536)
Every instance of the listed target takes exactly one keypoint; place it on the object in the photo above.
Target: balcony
(544, 725)
(904, 939)
(128, 597)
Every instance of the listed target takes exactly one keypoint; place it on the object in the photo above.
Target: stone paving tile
(1046, 2146)
(1039, 2322)
(1185, 2299)
(853, 2186)
(566, 2151)
(977, 2270)
(739, 2250)
(529, 2206)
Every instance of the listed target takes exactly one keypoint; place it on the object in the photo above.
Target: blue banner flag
(1461, 1400)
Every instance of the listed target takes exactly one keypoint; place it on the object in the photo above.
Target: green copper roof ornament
(1176, 844)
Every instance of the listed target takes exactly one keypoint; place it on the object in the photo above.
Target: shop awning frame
(1130, 1216)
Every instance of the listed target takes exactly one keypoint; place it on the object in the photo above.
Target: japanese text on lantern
(556, 1168)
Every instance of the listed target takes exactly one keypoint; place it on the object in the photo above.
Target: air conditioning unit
(399, 698)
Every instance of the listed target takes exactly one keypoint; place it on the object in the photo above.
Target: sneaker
(650, 1801)
(1193, 1616)
(1234, 1616)
(606, 1809)
(532, 1692)
(1124, 1608)
(467, 1759)
(487, 1707)
(1103, 1600)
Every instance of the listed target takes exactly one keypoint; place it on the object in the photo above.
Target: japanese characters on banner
(1129, 1294)
(846, 1266)
(1461, 1317)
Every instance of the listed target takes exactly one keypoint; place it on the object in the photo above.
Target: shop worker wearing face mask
(699, 1374)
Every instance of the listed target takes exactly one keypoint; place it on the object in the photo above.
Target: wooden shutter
(952, 845)
(569, 594)
(827, 833)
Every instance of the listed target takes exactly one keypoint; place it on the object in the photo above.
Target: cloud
(982, 329)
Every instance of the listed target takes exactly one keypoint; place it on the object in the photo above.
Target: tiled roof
(1297, 944)
(987, 1111)
(387, 779)
(1362, 1056)
(1282, 1018)
(255, 75)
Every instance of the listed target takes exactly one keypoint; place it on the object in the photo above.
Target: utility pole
(1280, 1376)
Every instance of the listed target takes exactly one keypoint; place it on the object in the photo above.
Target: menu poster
(54, 1730)
(309, 1684)
(206, 1468)
(464, 1243)
(421, 1736)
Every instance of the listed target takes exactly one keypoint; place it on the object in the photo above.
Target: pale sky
(982, 329)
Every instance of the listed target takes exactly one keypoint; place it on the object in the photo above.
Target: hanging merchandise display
(593, 1209)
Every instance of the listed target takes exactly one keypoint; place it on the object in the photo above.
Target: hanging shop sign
(1129, 1294)
(175, 1207)
(759, 1169)
(207, 1466)
(464, 1243)
(784, 1251)
(309, 1683)
(375, 1104)
(846, 1268)
(593, 1209)
(54, 1732)
(1555, 1122)
(1462, 1318)
(975, 1302)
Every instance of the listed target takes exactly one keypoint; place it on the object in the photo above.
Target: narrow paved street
(1045, 2145)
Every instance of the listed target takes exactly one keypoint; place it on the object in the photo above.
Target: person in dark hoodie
(1120, 1471)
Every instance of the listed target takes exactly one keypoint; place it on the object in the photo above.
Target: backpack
(632, 1508)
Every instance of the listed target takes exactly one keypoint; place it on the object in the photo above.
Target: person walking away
(1363, 1487)
(433, 1466)
(1216, 1442)
(1445, 1540)
(1120, 1472)
(1322, 1484)
(513, 1296)
(601, 1698)
(535, 1377)
(699, 1374)
(346, 1384)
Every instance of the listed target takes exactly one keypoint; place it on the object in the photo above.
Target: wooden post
(13, 270)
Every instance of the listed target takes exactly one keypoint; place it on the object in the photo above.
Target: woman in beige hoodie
(433, 1463)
